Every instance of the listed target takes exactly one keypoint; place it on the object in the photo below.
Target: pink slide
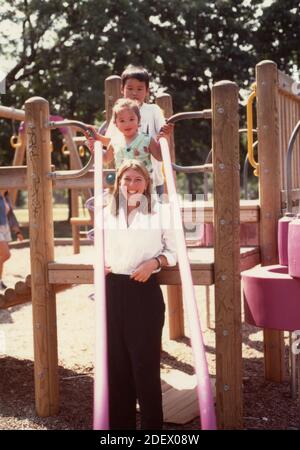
(101, 416)
(204, 389)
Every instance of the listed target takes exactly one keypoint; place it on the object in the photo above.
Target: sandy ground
(266, 405)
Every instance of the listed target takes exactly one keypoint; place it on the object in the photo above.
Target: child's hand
(97, 137)
(143, 272)
(166, 129)
(90, 142)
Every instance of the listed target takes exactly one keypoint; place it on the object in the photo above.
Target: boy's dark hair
(138, 73)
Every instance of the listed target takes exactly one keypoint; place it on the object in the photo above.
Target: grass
(60, 213)
(62, 227)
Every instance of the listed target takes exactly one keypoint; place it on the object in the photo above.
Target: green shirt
(137, 149)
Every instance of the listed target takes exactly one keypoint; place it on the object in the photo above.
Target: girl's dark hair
(138, 73)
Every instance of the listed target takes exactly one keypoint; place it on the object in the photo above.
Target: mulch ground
(267, 405)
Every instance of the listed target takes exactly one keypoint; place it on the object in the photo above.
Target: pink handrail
(204, 389)
(101, 412)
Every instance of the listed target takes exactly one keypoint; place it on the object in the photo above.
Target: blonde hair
(126, 103)
(146, 206)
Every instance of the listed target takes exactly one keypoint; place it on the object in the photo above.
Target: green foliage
(67, 48)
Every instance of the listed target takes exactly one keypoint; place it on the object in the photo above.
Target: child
(135, 86)
(128, 142)
(8, 223)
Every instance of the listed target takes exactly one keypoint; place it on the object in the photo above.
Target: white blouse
(147, 236)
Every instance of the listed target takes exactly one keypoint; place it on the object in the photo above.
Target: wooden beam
(225, 131)
(78, 269)
(16, 178)
(41, 253)
(205, 212)
(269, 189)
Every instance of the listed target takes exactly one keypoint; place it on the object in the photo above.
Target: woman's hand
(107, 270)
(143, 272)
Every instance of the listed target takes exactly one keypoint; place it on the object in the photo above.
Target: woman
(8, 223)
(138, 243)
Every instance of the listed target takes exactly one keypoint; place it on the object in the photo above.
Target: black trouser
(135, 318)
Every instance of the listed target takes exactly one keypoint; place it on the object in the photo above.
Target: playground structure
(271, 292)
(69, 148)
(220, 266)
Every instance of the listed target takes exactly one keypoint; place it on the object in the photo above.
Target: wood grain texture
(225, 126)
(269, 188)
(41, 253)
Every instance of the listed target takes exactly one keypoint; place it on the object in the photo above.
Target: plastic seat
(271, 298)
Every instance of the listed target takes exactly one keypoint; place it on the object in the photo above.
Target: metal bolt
(223, 277)
(222, 221)
(226, 387)
(225, 333)
(220, 110)
(221, 166)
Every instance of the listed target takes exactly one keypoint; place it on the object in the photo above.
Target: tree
(278, 34)
(67, 49)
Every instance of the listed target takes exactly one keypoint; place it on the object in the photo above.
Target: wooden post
(269, 193)
(41, 253)
(112, 93)
(225, 141)
(164, 101)
(174, 293)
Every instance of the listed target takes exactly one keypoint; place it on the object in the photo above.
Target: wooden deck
(179, 396)
(78, 269)
(204, 210)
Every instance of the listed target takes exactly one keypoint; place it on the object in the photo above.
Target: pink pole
(204, 389)
(101, 416)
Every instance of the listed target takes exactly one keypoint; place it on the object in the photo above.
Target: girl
(127, 142)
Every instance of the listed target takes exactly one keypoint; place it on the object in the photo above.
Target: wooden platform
(204, 210)
(78, 269)
(179, 393)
